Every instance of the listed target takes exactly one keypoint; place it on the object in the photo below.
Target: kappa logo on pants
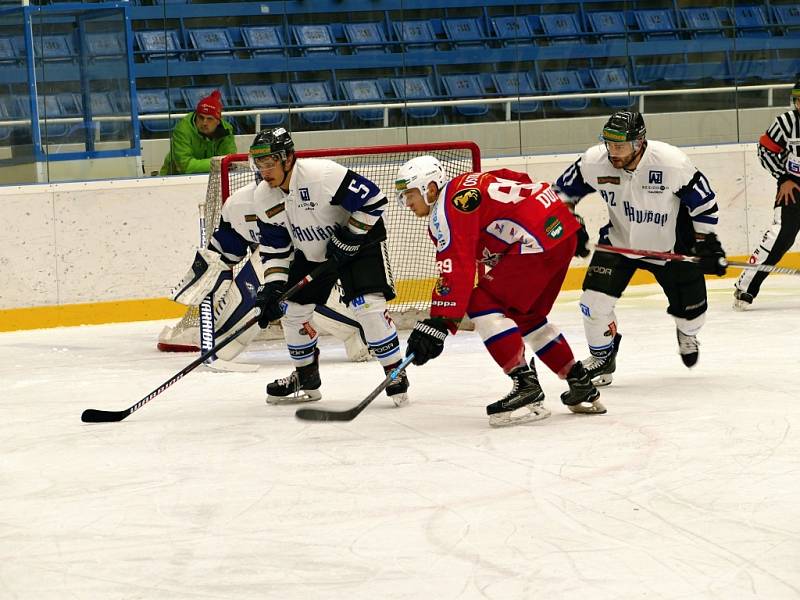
(585, 310)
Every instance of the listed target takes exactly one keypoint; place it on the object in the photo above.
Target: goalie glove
(426, 341)
(207, 272)
(712, 257)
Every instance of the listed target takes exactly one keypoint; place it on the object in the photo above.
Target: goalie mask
(417, 173)
(624, 137)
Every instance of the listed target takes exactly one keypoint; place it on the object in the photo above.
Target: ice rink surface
(689, 488)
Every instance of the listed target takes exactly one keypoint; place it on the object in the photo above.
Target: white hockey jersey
(658, 206)
(322, 195)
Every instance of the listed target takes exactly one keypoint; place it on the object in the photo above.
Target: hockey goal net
(411, 254)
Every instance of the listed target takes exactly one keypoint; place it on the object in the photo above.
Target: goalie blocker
(234, 304)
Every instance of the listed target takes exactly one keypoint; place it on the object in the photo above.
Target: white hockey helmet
(418, 173)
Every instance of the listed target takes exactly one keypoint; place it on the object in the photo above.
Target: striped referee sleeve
(772, 150)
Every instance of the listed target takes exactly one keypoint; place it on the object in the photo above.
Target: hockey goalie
(235, 242)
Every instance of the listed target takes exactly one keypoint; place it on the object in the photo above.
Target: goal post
(411, 255)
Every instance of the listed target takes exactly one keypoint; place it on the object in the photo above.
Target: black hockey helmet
(624, 126)
(269, 142)
(796, 88)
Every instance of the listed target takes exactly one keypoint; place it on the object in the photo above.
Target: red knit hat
(210, 105)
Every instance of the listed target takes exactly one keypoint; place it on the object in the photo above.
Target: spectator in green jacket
(197, 137)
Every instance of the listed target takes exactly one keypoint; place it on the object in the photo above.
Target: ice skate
(602, 363)
(741, 300)
(398, 389)
(523, 404)
(582, 396)
(688, 347)
(301, 386)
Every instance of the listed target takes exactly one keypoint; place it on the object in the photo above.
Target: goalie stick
(320, 414)
(694, 259)
(92, 415)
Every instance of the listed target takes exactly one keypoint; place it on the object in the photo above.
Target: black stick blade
(318, 414)
(90, 415)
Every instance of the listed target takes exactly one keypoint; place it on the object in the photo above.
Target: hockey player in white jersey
(238, 233)
(318, 210)
(658, 201)
(779, 153)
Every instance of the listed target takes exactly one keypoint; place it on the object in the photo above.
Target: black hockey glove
(427, 338)
(268, 300)
(712, 256)
(343, 245)
(582, 248)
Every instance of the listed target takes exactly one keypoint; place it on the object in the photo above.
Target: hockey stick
(696, 259)
(92, 415)
(320, 414)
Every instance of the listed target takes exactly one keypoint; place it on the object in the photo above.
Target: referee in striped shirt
(779, 152)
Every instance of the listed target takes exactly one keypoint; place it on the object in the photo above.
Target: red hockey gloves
(343, 245)
(712, 257)
(582, 249)
(268, 300)
(426, 341)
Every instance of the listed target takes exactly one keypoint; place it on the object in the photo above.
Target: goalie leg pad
(234, 308)
(301, 337)
(333, 318)
(207, 273)
(379, 329)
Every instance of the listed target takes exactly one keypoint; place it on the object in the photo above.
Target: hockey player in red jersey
(526, 237)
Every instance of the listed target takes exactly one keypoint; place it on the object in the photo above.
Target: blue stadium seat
(750, 21)
(787, 16)
(745, 67)
(610, 79)
(669, 69)
(656, 24)
(8, 55)
(518, 84)
(263, 40)
(513, 31)
(260, 96)
(366, 37)
(565, 82)
(702, 23)
(314, 39)
(699, 71)
(364, 90)
(49, 108)
(608, 25)
(105, 46)
(191, 95)
(52, 48)
(211, 43)
(561, 28)
(158, 44)
(415, 35)
(415, 89)
(464, 33)
(462, 87)
(784, 69)
(155, 101)
(313, 93)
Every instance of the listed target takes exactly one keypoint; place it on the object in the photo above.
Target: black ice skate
(582, 396)
(398, 389)
(301, 386)
(688, 347)
(602, 363)
(741, 300)
(526, 394)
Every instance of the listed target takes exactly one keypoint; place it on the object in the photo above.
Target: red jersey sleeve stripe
(768, 143)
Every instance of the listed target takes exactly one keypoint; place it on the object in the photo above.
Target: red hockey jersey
(481, 217)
